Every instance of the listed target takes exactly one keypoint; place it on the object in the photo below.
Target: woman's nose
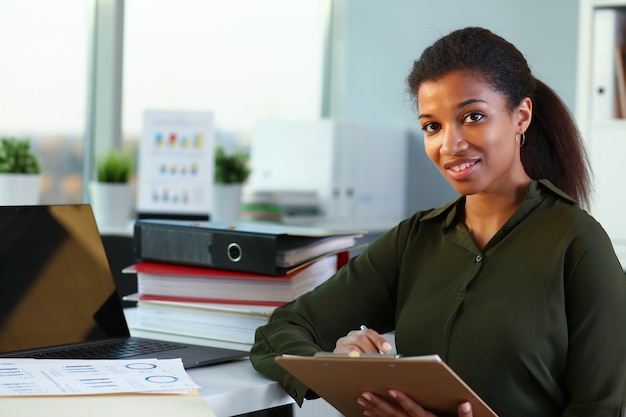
(452, 141)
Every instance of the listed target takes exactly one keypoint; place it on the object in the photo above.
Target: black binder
(263, 248)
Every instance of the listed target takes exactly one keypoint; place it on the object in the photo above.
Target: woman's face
(471, 135)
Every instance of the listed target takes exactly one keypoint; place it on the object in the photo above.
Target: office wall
(374, 43)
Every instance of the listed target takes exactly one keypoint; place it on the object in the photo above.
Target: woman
(514, 285)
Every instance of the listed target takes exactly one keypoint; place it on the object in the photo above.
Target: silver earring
(521, 140)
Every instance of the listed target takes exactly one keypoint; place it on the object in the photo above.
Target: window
(43, 65)
(243, 60)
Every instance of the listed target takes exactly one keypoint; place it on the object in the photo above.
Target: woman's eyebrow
(470, 101)
(459, 106)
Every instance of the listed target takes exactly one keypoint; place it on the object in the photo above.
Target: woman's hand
(370, 341)
(401, 406)
(363, 341)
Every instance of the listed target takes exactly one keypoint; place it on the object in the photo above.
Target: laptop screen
(55, 283)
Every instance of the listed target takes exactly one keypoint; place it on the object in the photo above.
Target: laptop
(58, 297)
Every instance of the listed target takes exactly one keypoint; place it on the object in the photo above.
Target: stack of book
(244, 272)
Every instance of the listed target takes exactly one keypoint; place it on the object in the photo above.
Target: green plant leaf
(231, 168)
(114, 168)
(16, 157)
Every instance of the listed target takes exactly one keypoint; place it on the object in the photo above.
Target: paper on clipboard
(340, 379)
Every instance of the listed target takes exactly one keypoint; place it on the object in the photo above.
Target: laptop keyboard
(114, 350)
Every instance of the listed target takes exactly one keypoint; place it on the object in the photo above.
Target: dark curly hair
(553, 149)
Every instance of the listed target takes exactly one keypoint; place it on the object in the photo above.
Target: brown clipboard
(340, 379)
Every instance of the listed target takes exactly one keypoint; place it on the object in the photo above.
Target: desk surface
(230, 389)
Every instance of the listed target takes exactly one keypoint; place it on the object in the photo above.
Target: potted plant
(20, 172)
(114, 168)
(231, 171)
(111, 194)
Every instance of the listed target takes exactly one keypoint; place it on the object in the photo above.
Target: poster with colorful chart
(176, 163)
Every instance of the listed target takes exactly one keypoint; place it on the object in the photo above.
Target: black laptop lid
(55, 283)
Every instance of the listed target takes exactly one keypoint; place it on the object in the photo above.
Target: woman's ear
(524, 114)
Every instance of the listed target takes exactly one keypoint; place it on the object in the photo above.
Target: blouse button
(478, 258)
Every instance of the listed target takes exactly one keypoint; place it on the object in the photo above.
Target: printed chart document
(176, 164)
(97, 388)
(34, 377)
(340, 379)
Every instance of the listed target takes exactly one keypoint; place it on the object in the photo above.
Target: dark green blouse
(535, 323)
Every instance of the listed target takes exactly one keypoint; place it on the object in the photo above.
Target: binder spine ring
(234, 252)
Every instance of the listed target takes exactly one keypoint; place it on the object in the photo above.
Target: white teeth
(462, 166)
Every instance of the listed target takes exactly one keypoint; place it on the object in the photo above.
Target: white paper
(37, 377)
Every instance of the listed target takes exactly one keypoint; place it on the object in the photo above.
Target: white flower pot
(226, 202)
(19, 189)
(111, 203)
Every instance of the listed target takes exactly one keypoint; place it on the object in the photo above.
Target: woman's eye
(430, 127)
(473, 118)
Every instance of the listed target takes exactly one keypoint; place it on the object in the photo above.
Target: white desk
(231, 388)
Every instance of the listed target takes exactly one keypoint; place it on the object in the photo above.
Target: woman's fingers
(410, 407)
(401, 405)
(465, 410)
(375, 406)
(364, 341)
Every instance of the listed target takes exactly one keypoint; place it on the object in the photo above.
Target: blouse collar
(537, 190)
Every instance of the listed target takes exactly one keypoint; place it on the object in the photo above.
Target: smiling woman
(469, 128)
(512, 281)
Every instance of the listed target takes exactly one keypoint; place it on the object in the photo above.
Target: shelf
(603, 133)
